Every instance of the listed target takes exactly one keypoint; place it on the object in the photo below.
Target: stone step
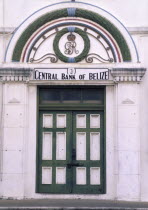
(70, 204)
(71, 208)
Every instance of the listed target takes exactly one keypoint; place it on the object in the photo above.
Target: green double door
(71, 152)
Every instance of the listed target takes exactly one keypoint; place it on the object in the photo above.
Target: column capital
(15, 74)
(127, 74)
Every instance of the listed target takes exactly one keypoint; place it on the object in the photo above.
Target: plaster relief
(128, 93)
(15, 93)
(13, 101)
(128, 101)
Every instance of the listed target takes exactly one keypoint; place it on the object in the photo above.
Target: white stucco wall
(129, 13)
(144, 119)
(128, 142)
(14, 124)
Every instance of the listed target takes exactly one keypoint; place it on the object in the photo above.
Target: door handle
(73, 154)
(69, 165)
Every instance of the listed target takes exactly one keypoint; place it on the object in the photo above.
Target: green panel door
(54, 152)
(71, 152)
(88, 160)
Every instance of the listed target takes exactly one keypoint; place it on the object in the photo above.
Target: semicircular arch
(112, 36)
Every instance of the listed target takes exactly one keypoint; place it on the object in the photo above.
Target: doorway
(71, 146)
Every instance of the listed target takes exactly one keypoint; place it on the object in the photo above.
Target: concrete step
(70, 204)
(69, 208)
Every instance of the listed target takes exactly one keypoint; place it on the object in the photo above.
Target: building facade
(73, 100)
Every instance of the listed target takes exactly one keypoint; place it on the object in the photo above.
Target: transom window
(71, 95)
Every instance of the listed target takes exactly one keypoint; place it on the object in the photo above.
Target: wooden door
(71, 152)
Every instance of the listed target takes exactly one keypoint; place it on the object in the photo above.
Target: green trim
(104, 145)
(37, 140)
(89, 107)
(32, 28)
(79, 57)
(110, 28)
(79, 13)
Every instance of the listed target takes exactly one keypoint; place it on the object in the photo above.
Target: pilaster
(127, 133)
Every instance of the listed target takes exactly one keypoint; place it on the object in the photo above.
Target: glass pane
(50, 95)
(71, 95)
(93, 96)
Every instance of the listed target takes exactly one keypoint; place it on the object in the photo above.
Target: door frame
(72, 108)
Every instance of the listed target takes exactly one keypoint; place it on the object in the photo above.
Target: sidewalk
(63, 204)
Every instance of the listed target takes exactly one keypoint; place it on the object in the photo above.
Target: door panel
(54, 152)
(71, 152)
(88, 142)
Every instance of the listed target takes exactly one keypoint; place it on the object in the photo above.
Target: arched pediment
(71, 34)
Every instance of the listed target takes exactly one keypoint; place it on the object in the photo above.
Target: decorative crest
(70, 46)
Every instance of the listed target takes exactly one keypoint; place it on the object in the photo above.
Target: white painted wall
(144, 120)
(128, 142)
(14, 123)
(130, 13)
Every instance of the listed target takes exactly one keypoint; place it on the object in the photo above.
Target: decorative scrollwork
(90, 58)
(53, 58)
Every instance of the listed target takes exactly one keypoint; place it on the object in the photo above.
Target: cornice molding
(15, 74)
(128, 74)
(21, 74)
